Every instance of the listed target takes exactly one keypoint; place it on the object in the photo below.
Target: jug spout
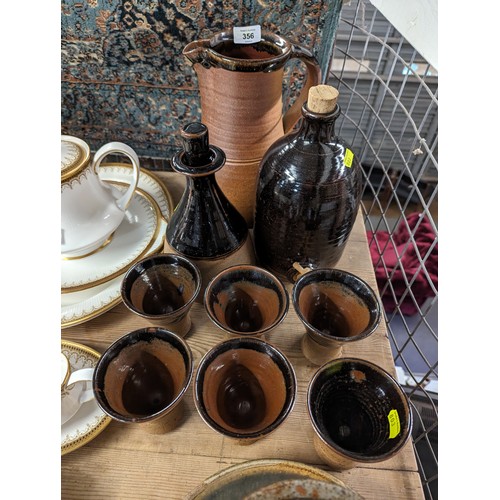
(196, 52)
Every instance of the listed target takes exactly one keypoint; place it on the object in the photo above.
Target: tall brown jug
(241, 104)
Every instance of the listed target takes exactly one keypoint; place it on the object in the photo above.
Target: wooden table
(124, 462)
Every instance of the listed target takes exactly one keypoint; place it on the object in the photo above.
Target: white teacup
(76, 389)
(91, 210)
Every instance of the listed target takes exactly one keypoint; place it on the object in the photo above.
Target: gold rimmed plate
(79, 307)
(129, 244)
(89, 421)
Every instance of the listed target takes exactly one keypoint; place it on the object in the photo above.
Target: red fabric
(400, 258)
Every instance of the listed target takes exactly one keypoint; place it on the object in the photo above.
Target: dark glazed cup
(244, 389)
(246, 300)
(337, 308)
(142, 377)
(359, 413)
(161, 289)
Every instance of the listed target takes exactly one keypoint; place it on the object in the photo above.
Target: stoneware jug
(241, 104)
(91, 210)
(308, 192)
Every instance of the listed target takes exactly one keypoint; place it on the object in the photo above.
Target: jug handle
(313, 77)
(121, 149)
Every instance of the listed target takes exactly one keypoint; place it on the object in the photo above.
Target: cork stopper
(322, 99)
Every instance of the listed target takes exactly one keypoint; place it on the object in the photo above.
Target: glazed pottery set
(270, 197)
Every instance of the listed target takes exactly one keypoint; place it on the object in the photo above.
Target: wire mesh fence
(389, 103)
(389, 115)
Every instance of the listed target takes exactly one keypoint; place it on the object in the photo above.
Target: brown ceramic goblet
(246, 300)
(359, 413)
(161, 289)
(142, 377)
(244, 389)
(337, 308)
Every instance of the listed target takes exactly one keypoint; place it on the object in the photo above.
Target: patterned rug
(123, 74)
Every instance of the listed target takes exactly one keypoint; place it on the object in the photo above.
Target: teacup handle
(313, 77)
(121, 149)
(82, 375)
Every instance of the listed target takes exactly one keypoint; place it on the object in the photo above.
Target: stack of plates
(90, 285)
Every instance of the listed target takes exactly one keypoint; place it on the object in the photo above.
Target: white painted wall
(417, 21)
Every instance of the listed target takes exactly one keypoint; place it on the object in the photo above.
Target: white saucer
(130, 242)
(84, 305)
(89, 420)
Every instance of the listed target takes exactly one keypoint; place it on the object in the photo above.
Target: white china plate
(89, 420)
(148, 182)
(130, 242)
(84, 305)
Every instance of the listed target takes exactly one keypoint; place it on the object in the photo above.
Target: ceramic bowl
(359, 413)
(161, 289)
(244, 389)
(246, 300)
(142, 377)
(337, 308)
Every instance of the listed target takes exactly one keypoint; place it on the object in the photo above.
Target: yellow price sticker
(349, 155)
(394, 424)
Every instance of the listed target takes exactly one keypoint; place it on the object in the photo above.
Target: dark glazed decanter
(308, 193)
(205, 227)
